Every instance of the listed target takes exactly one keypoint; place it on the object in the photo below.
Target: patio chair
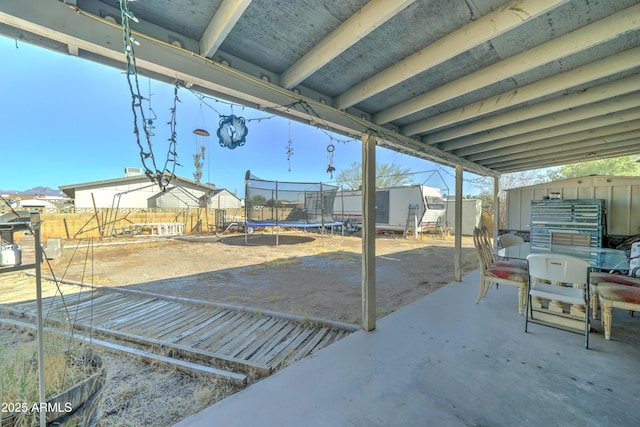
(614, 295)
(550, 277)
(498, 272)
(633, 279)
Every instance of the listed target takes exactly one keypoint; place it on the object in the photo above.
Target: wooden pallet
(246, 339)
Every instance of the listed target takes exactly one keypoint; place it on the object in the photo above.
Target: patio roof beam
(371, 16)
(618, 120)
(576, 41)
(603, 68)
(219, 27)
(555, 150)
(489, 26)
(602, 153)
(548, 121)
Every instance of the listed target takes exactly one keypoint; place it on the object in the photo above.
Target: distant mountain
(35, 191)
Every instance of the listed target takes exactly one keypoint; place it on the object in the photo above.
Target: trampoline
(277, 204)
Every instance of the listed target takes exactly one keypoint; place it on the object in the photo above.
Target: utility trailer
(397, 208)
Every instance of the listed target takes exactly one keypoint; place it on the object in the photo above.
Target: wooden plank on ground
(243, 339)
(202, 316)
(191, 317)
(160, 309)
(280, 353)
(222, 329)
(317, 336)
(266, 341)
(204, 324)
(237, 329)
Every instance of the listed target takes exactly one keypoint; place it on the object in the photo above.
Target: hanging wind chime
(289, 147)
(198, 158)
(330, 169)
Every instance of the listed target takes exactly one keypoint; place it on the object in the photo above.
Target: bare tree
(387, 175)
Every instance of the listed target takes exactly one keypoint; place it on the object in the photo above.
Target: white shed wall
(471, 215)
(132, 195)
(622, 196)
(225, 200)
(179, 197)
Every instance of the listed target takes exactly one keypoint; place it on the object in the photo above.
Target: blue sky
(68, 120)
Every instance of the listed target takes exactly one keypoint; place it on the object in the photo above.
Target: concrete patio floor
(445, 361)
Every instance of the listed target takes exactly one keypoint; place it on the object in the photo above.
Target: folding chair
(550, 277)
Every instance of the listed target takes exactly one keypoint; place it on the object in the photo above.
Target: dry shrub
(137, 393)
(19, 379)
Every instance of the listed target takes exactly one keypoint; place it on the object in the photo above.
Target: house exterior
(136, 191)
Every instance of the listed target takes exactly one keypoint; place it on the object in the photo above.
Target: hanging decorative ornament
(201, 135)
(201, 132)
(330, 149)
(289, 147)
(198, 158)
(232, 132)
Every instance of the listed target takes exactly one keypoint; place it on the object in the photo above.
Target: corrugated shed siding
(179, 198)
(225, 200)
(622, 196)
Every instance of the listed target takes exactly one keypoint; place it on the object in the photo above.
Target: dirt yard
(305, 274)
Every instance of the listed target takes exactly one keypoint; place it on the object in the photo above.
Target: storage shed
(471, 215)
(621, 196)
(137, 192)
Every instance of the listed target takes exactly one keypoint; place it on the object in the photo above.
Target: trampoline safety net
(288, 204)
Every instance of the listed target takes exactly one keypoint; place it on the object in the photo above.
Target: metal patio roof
(491, 85)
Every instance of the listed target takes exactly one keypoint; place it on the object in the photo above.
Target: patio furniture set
(558, 285)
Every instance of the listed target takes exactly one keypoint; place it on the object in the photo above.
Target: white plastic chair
(550, 274)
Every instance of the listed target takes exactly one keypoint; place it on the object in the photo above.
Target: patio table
(599, 258)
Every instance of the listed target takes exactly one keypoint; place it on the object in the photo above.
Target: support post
(368, 232)
(496, 211)
(458, 226)
(35, 227)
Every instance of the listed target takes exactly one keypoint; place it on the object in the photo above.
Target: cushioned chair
(614, 295)
(498, 272)
(562, 280)
(633, 279)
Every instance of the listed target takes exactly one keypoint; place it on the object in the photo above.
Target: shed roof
(176, 181)
(492, 85)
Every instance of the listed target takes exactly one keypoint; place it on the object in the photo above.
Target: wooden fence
(112, 223)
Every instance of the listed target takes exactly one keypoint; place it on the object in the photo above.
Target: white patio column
(457, 226)
(368, 232)
(496, 210)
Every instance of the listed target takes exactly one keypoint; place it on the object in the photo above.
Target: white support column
(496, 213)
(457, 226)
(368, 232)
